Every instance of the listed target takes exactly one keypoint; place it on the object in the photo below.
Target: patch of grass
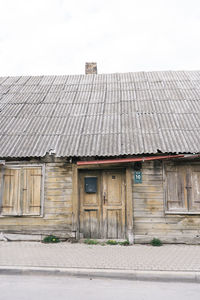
(51, 239)
(104, 243)
(156, 242)
(91, 242)
(124, 243)
(112, 242)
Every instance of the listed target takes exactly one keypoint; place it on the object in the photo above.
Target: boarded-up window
(21, 191)
(194, 190)
(11, 192)
(183, 188)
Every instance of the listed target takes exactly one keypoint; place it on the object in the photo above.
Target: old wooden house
(104, 156)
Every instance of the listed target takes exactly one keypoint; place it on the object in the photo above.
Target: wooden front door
(102, 204)
(113, 204)
(90, 205)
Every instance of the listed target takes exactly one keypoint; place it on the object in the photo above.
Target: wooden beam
(125, 160)
(75, 201)
(129, 205)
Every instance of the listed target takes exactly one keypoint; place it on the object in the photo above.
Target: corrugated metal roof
(100, 115)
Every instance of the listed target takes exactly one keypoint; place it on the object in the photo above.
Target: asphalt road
(59, 288)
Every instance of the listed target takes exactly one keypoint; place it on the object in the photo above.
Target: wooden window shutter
(32, 182)
(193, 189)
(176, 194)
(11, 192)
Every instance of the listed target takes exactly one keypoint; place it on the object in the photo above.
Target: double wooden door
(102, 204)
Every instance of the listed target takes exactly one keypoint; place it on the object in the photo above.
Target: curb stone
(167, 276)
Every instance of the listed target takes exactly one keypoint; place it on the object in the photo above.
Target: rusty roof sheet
(100, 115)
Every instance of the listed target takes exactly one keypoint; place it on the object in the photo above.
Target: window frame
(177, 211)
(16, 165)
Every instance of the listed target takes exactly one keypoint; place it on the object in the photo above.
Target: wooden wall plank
(149, 215)
(57, 204)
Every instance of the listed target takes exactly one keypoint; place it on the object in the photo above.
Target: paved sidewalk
(142, 258)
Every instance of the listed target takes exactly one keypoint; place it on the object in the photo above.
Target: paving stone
(136, 257)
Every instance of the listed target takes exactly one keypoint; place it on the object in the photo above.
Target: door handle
(104, 198)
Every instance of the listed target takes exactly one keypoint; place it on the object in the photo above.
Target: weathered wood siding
(57, 206)
(149, 217)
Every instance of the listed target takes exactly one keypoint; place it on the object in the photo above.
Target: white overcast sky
(41, 37)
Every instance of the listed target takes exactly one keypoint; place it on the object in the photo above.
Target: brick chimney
(90, 68)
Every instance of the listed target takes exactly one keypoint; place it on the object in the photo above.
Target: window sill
(182, 213)
(21, 216)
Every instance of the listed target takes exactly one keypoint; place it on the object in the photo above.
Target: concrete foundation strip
(173, 276)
